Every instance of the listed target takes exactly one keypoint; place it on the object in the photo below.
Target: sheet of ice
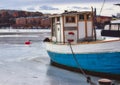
(21, 38)
(23, 30)
(21, 64)
(28, 65)
(18, 35)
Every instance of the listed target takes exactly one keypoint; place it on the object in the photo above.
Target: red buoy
(28, 42)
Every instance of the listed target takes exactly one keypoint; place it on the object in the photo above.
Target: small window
(81, 17)
(70, 19)
(53, 20)
(115, 27)
(88, 17)
(58, 19)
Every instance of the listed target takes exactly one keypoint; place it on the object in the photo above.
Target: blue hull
(96, 62)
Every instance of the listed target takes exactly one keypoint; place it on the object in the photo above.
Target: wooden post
(105, 82)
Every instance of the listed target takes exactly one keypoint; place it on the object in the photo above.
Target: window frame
(82, 18)
(70, 19)
(58, 19)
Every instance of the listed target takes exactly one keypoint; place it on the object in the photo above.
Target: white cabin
(72, 27)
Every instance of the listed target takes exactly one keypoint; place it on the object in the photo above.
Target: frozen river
(30, 65)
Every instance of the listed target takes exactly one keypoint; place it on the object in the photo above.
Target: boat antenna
(82, 71)
(102, 7)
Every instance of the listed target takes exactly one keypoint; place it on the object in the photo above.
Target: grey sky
(52, 6)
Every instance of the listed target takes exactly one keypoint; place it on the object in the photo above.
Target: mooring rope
(82, 71)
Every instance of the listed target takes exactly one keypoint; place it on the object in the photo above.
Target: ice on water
(21, 64)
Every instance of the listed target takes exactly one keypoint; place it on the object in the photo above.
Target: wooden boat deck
(89, 42)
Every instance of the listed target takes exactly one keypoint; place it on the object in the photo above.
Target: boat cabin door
(85, 26)
(58, 33)
(56, 29)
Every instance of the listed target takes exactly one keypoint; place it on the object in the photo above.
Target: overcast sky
(58, 6)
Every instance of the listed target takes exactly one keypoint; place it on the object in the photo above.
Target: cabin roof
(55, 15)
(70, 13)
(75, 12)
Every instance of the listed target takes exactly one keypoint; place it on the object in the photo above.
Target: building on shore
(32, 22)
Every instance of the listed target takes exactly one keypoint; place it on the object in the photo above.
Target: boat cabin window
(111, 30)
(70, 19)
(88, 16)
(112, 27)
(58, 19)
(53, 20)
(115, 27)
(81, 17)
(53, 26)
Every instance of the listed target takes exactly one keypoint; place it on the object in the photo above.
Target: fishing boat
(76, 44)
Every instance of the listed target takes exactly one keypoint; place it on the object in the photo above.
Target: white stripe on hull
(112, 46)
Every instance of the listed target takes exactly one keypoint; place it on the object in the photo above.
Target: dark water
(21, 64)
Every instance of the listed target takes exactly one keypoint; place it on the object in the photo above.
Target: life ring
(71, 33)
(70, 40)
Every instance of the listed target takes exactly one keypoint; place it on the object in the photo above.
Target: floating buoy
(28, 42)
